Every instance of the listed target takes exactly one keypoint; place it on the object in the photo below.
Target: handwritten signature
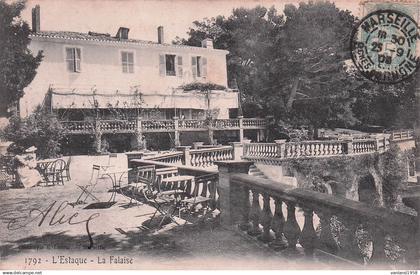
(52, 215)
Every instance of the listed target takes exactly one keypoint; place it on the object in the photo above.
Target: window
(127, 59)
(170, 64)
(73, 58)
(199, 66)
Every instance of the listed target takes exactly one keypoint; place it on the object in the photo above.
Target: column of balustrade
(232, 198)
(241, 128)
(176, 131)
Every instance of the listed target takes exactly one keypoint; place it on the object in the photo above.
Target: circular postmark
(383, 46)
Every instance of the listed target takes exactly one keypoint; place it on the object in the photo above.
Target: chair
(54, 172)
(165, 204)
(112, 160)
(203, 194)
(134, 188)
(66, 172)
(88, 188)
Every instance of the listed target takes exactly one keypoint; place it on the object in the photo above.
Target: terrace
(255, 223)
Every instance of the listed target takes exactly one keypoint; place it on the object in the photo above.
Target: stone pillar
(417, 130)
(241, 128)
(197, 144)
(238, 150)
(413, 200)
(176, 129)
(98, 137)
(139, 135)
(186, 159)
(349, 145)
(232, 198)
(281, 148)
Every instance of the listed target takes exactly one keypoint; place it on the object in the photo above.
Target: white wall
(101, 67)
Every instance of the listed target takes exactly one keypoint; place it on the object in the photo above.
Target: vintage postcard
(213, 134)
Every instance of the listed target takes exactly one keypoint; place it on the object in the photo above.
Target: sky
(143, 17)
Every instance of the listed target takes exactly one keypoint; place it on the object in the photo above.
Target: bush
(40, 129)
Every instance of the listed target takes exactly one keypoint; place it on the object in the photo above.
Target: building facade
(94, 80)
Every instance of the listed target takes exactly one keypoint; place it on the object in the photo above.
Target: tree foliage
(297, 66)
(40, 129)
(17, 64)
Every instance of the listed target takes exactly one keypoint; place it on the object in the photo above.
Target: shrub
(40, 129)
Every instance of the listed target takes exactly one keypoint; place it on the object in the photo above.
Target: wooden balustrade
(158, 125)
(192, 124)
(124, 126)
(221, 124)
(254, 123)
(119, 126)
(79, 126)
(206, 157)
(324, 223)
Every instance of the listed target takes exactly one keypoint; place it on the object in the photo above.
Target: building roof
(106, 38)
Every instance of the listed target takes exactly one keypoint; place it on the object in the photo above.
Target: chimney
(122, 33)
(207, 43)
(161, 38)
(36, 20)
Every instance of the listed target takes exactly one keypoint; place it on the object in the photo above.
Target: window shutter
(162, 65)
(77, 58)
(179, 71)
(203, 67)
(194, 66)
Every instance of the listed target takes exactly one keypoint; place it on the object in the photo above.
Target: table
(113, 175)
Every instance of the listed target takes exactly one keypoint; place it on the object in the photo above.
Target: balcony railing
(315, 148)
(131, 126)
(327, 225)
(207, 157)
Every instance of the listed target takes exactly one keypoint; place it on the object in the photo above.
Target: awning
(178, 99)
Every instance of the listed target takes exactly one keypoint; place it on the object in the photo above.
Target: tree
(40, 129)
(297, 67)
(17, 64)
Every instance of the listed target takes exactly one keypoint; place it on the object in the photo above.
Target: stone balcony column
(241, 128)
(281, 148)
(413, 200)
(238, 150)
(186, 158)
(232, 198)
(98, 137)
(349, 146)
(139, 134)
(176, 130)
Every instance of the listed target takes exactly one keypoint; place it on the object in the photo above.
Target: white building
(90, 80)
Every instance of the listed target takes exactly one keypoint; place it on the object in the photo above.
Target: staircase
(254, 171)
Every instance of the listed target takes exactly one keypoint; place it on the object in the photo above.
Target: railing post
(98, 137)
(349, 146)
(241, 128)
(176, 131)
(413, 201)
(186, 158)
(238, 150)
(281, 148)
(139, 134)
(232, 198)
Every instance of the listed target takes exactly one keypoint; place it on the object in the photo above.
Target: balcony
(156, 126)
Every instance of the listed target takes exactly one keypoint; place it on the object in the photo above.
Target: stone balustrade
(331, 226)
(402, 135)
(171, 157)
(207, 157)
(313, 149)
